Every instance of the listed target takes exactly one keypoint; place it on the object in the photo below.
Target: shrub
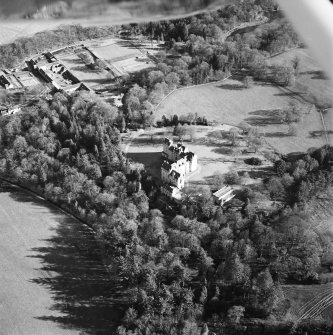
(232, 178)
(247, 82)
(253, 161)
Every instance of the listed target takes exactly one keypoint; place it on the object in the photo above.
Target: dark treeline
(13, 54)
(199, 264)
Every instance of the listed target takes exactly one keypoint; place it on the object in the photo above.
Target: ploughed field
(310, 301)
(52, 280)
(228, 102)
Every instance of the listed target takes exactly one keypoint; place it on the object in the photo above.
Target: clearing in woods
(228, 102)
(52, 279)
(214, 158)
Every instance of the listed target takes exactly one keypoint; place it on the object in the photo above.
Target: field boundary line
(244, 25)
(282, 52)
(187, 87)
(64, 211)
(40, 197)
(324, 125)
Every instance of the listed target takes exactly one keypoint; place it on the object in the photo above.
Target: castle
(178, 162)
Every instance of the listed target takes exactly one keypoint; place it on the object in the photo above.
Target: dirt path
(52, 280)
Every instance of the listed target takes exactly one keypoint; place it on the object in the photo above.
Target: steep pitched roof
(223, 191)
(175, 174)
(167, 141)
(166, 166)
(168, 187)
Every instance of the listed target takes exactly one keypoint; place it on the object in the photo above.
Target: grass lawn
(213, 158)
(52, 278)
(311, 79)
(123, 55)
(311, 83)
(116, 50)
(227, 102)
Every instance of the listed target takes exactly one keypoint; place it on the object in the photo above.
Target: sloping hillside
(52, 280)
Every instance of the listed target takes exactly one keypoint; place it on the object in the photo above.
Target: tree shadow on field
(319, 133)
(277, 134)
(289, 94)
(148, 140)
(127, 44)
(72, 60)
(97, 81)
(316, 74)
(223, 151)
(151, 160)
(263, 172)
(85, 298)
(231, 87)
(264, 117)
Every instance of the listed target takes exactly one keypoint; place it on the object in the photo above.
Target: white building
(171, 192)
(225, 194)
(178, 161)
(171, 176)
(179, 153)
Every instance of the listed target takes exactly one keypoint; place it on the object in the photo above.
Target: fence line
(187, 87)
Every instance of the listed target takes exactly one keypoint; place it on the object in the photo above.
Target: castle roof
(190, 155)
(167, 141)
(166, 166)
(175, 174)
(224, 191)
(187, 155)
(168, 187)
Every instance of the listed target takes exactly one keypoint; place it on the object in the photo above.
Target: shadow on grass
(148, 140)
(97, 81)
(85, 298)
(151, 160)
(318, 133)
(316, 74)
(287, 94)
(277, 134)
(231, 87)
(261, 172)
(127, 44)
(223, 151)
(265, 117)
(73, 61)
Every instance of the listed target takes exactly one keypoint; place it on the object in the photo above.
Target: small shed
(223, 195)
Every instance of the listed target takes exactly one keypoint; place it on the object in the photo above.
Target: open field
(133, 64)
(125, 56)
(310, 301)
(213, 157)
(116, 50)
(228, 102)
(52, 280)
(311, 80)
